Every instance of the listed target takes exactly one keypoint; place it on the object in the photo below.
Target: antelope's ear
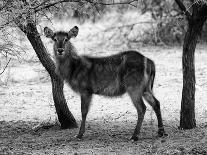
(48, 32)
(73, 32)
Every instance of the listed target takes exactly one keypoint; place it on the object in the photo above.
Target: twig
(45, 125)
(41, 4)
(52, 4)
(127, 25)
(5, 66)
(114, 3)
(127, 112)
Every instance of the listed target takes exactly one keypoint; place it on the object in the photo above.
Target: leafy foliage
(171, 23)
(170, 27)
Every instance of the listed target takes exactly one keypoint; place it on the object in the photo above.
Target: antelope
(127, 72)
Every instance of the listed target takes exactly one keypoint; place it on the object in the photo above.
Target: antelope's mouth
(60, 54)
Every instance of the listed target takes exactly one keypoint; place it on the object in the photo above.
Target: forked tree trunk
(65, 117)
(195, 24)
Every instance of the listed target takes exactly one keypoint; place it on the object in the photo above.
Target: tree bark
(195, 24)
(65, 117)
(187, 117)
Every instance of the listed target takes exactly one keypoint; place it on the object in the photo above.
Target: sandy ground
(26, 101)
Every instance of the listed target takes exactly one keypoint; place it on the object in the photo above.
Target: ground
(26, 101)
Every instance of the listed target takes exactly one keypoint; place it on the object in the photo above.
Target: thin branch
(113, 3)
(183, 8)
(5, 66)
(95, 6)
(127, 25)
(41, 4)
(36, 9)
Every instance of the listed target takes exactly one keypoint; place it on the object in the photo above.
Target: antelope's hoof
(79, 136)
(162, 133)
(134, 138)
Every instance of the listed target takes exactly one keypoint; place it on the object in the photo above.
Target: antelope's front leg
(85, 103)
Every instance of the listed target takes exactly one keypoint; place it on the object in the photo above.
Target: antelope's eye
(66, 39)
(55, 39)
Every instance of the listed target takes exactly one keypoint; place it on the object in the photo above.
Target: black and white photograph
(103, 77)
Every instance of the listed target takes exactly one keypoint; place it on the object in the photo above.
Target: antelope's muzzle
(60, 51)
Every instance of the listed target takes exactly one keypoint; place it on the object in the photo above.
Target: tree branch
(113, 3)
(5, 66)
(183, 8)
(43, 6)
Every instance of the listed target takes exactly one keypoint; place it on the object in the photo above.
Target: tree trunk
(65, 117)
(187, 117)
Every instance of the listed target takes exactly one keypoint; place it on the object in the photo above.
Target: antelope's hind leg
(85, 103)
(150, 98)
(136, 97)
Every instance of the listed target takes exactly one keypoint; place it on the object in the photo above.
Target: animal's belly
(114, 88)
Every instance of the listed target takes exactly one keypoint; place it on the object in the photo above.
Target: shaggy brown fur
(114, 75)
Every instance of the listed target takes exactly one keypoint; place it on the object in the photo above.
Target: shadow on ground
(108, 138)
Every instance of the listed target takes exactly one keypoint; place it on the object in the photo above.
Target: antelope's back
(107, 73)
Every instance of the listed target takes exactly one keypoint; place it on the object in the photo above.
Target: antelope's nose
(60, 50)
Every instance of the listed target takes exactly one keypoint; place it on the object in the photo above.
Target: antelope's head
(61, 39)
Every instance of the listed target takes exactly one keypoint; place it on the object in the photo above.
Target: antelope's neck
(66, 67)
